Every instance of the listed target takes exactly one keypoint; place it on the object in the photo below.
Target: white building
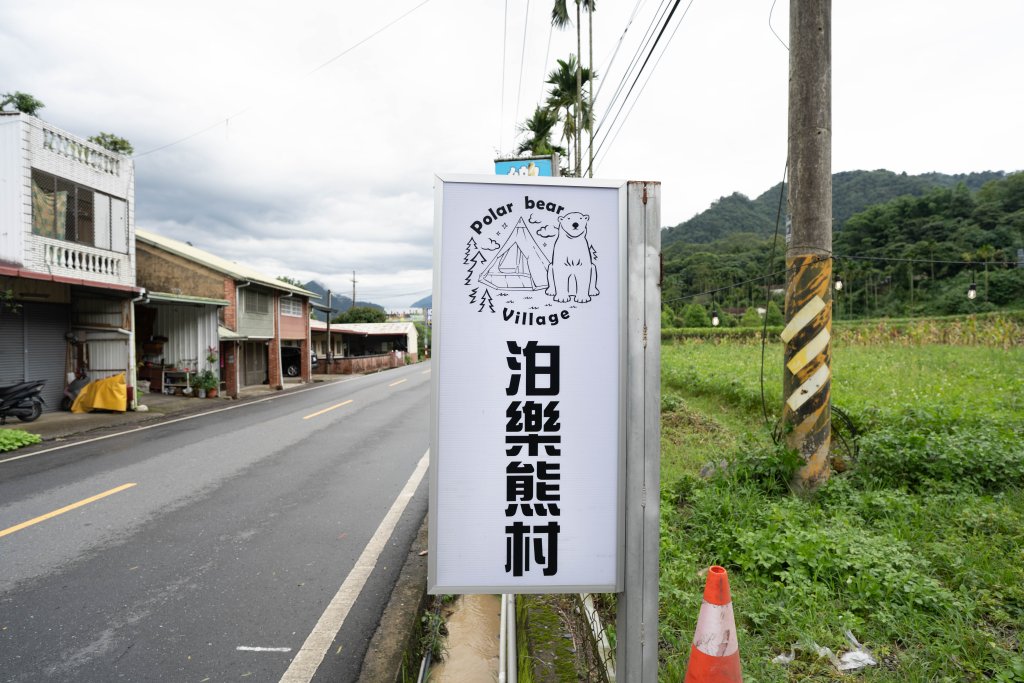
(67, 256)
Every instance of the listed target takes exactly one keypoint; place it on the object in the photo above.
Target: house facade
(212, 313)
(67, 257)
(347, 348)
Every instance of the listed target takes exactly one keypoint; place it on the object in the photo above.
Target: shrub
(695, 315)
(977, 457)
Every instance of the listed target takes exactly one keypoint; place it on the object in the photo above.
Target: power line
(646, 82)
(834, 257)
(650, 53)
(773, 28)
(504, 55)
(522, 62)
(929, 261)
(607, 65)
(644, 42)
(305, 75)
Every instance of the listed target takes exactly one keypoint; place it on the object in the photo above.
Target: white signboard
(528, 375)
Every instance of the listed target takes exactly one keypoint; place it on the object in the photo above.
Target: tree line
(917, 253)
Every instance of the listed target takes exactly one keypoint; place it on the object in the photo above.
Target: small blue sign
(523, 167)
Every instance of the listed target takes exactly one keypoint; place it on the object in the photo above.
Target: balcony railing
(75, 258)
(68, 259)
(66, 146)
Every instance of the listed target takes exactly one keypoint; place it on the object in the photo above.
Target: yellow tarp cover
(102, 394)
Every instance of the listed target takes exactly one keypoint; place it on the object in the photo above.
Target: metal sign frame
(441, 362)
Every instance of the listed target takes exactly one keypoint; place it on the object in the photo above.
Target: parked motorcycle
(22, 400)
(72, 390)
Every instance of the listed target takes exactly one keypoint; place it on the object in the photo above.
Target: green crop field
(916, 549)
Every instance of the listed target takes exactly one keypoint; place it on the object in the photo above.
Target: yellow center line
(68, 508)
(327, 410)
(395, 384)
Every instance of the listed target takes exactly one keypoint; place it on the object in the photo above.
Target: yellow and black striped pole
(807, 376)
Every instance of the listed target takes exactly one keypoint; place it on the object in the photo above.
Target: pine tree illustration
(470, 248)
(472, 295)
(485, 300)
(477, 259)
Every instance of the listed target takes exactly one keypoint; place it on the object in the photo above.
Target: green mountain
(914, 253)
(339, 302)
(852, 192)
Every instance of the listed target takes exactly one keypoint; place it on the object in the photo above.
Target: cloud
(305, 139)
(547, 231)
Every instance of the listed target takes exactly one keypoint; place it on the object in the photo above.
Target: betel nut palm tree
(538, 129)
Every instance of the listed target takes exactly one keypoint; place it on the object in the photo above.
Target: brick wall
(231, 310)
(161, 271)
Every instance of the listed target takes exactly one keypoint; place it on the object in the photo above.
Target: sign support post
(636, 656)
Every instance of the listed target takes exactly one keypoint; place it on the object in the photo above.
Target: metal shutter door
(47, 324)
(12, 340)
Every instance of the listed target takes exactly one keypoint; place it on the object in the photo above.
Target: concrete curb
(399, 624)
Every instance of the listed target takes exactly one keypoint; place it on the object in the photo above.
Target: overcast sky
(315, 127)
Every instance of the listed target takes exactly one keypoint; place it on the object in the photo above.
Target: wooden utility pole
(329, 311)
(807, 378)
(353, 304)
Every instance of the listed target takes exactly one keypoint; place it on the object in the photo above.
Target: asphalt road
(209, 549)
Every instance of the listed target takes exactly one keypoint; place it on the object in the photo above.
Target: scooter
(22, 400)
(72, 390)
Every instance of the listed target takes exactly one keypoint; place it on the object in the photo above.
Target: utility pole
(807, 377)
(330, 310)
(353, 304)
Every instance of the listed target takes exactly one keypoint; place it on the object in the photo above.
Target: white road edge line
(309, 657)
(248, 648)
(182, 419)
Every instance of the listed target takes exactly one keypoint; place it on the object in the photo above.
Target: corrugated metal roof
(228, 335)
(185, 299)
(363, 328)
(237, 271)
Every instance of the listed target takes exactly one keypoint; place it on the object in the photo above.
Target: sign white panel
(526, 460)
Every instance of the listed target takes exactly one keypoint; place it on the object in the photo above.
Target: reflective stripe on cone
(715, 652)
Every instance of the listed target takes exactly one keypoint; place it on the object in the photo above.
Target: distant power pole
(330, 310)
(807, 377)
(353, 305)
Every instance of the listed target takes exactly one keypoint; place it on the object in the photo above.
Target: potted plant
(206, 384)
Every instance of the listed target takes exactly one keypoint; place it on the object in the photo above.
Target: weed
(915, 549)
(12, 439)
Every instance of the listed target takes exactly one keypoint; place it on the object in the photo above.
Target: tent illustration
(518, 264)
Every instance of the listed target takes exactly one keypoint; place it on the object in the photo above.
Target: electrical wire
(914, 260)
(609, 61)
(305, 75)
(767, 296)
(772, 28)
(504, 55)
(644, 43)
(522, 62)
(644, 86)
(664, 26)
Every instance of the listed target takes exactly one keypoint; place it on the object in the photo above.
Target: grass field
(916, 549)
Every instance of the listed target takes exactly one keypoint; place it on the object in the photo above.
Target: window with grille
(67, 211)
(255, 302)
(291, 306)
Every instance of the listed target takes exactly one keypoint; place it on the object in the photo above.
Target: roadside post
(546, 395)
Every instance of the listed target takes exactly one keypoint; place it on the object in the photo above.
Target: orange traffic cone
(715, 653)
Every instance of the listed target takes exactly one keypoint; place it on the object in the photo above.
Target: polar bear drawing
(572, 274)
